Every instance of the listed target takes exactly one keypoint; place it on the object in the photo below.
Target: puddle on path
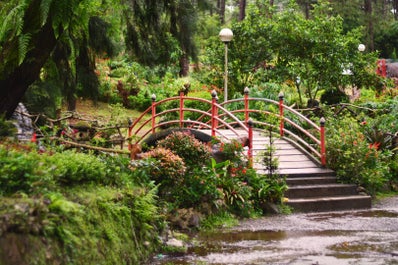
(300, 239)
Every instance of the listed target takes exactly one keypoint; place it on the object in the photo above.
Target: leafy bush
(75, 168)
(192, 151)
(354, 159)
(7, 128)
(22, 169)
(166, 169)
(22, 172)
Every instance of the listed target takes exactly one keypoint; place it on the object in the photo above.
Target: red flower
(375, 145)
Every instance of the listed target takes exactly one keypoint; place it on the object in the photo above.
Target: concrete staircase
(320, 193)
(311, 188)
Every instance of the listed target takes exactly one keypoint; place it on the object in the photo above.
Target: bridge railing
(217, 116)
(208, 119)
(301, 131)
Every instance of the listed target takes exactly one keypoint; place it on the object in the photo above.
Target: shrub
(166, 169)
(7, 128)
(185, 145)
(22, 172)
(73, 168)
(354, 159)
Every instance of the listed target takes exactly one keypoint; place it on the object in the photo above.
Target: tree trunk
(184, 65)
(368, 15)
(14, 86)
(242, 10)
(222, 11)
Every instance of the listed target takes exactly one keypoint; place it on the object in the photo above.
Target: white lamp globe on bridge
(361, 47)
(226, 35)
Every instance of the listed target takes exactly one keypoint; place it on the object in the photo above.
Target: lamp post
(226, 36)
(361, 47)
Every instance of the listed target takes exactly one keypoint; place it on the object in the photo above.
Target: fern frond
(12, 23)
(45, 6)
(23, 46)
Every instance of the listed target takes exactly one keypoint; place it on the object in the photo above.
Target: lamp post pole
(226, 72)
(226, 36)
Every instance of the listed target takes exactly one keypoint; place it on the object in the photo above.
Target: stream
(343, 238)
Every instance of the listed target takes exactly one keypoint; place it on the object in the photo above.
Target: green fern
(12, 22)
(23, 46)
(45, 6)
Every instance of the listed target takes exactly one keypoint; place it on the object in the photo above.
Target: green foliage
(222, 219)
(73, 168)
(22, 172)
(88, 209)
(44, 97)
(7, 128)
(168, 168)
(334, 96)
(192, 151)
(290, 46)
(354, 159)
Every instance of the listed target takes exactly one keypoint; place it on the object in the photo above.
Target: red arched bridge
(300, 142)
(299, 145)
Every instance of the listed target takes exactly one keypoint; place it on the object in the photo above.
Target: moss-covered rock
(107, 220)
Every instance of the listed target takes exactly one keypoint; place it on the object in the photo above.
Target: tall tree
(162, 32)
(242, 10)
(29, 34)
(221, 7)
(368, 9)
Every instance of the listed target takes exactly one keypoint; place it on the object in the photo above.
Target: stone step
(324, 204)
(324, 190)
(310, 181)
(297, 172)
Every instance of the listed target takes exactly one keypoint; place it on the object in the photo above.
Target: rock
(23, 123)
(185, 218)
(272, 208)
(173, 242)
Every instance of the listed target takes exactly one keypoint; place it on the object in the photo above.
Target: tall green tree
(289, 46)
(29, 33)
(162, 32)
(35, 31)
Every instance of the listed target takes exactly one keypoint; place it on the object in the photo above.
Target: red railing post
(250, 151)
(246, 92)
(281, 122)
(381, 69)
(213, 113)
(129, 133)
(153, 112)
(181, 107)
(323, 145)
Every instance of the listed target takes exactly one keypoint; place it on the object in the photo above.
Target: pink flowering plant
(188, 176)
(192, 151)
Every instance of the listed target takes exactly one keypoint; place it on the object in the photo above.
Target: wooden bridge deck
(292, 160)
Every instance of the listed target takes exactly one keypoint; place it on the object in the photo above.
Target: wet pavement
(335, 238)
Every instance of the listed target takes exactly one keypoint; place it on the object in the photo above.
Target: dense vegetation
(85, 207)
(73, 208)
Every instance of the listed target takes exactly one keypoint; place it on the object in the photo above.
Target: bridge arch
(215, 118)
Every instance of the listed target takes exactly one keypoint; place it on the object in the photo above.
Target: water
(343, 238)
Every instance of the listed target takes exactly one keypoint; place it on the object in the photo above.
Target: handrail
(220, 117)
